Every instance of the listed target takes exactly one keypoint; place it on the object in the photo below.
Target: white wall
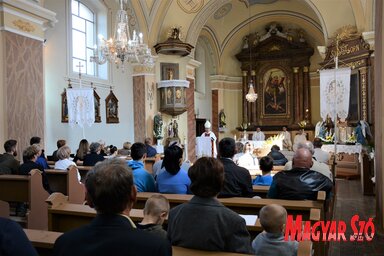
(203, 99)
(56, 71)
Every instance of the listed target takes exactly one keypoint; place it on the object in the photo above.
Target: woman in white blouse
(64, 162)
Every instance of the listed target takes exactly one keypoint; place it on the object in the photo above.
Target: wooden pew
(63, 216)
(67, 182)
(83, 171)
(262, 191)
(26, 188)
(244, 205)
(43, 241)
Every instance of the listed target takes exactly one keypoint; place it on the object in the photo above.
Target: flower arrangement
(274, 140)
(244, 126)
(351, 139)
(329, 138)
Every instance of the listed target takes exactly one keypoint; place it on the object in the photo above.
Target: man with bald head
(300, 182)
(317, 166)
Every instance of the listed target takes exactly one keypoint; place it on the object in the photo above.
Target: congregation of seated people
(111, 180)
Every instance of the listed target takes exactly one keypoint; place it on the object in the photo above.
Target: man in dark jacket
(301, 182)
(8, 163)
(277, 156)
(237, 180)
(110, 190)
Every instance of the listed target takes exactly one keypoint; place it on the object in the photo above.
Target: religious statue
(170, 130)
(175, 127)
(222, 117)
(170, 74)
(158, 126)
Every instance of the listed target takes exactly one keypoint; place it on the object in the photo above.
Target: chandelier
(123, 48)
(251, 96)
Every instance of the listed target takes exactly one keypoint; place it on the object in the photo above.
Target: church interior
(240, 64)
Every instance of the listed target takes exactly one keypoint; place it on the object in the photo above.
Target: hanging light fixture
(251, 96)
(123, 48)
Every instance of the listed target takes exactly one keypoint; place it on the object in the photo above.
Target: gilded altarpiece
(355, 53)
(278, 65)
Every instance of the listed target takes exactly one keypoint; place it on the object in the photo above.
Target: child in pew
(271, 240)
(266, 166)
(155, 212)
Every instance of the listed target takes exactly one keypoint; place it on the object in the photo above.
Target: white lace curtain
(334, 93)
(81, 106)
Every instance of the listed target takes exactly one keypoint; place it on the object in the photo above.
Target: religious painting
(170, 95)
(112, 108)
(275, 88)
(179, 94)
(96, 98)
(64, 107)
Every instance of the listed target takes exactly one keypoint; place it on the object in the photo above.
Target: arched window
(87, 20)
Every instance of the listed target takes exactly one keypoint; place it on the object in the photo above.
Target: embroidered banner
(334, 93)
(81, 106)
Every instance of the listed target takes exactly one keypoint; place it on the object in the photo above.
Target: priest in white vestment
(209, 133)
(287, 142)
(258, 135)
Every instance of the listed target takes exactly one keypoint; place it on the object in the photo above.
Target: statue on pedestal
(158, 126)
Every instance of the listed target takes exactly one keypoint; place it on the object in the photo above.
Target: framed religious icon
(96, 98)
(112, 108)
(179, 94)
(64, 107)
(169, 95)
(275, 84)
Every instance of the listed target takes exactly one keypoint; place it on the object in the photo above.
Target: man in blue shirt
(151, 151)
(143, 180)
(41, 160)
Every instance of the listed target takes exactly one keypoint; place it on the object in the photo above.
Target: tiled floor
(351, 201)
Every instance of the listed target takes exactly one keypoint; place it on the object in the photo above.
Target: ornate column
(22, 32)
(307, 94)
(296, 100)
(379, 110)
(245, 103)
(143, 78)
(364, 92)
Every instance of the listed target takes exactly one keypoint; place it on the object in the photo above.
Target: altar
(349, 159)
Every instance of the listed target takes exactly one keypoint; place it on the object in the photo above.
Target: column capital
(295, 69)
(140, 70)
(253, 72)
(245, 73)
(26, 18)
(305, 69)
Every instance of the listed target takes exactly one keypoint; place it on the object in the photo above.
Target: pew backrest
(41, 239)
(27, 188)
(67, 183)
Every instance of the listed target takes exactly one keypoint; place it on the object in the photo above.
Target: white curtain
(81, 106)
(334, 93)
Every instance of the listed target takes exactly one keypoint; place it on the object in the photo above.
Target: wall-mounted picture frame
(112, 108)
(275, 92)
(97, 106)
(64, 107)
